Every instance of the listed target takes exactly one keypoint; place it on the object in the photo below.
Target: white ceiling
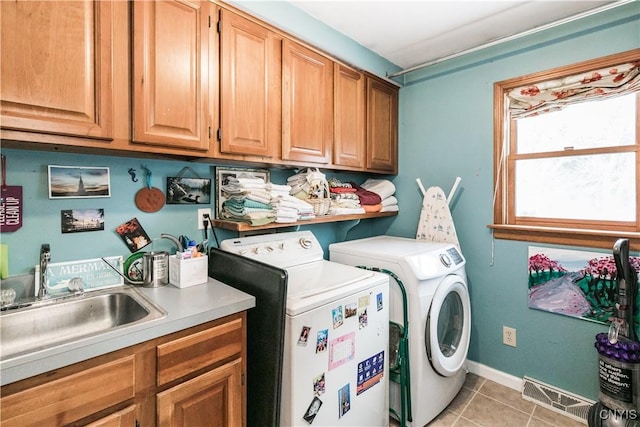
(410, 33)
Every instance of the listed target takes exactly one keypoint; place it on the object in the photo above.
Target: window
(567, 154)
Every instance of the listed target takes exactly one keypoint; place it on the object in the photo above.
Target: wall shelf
(243, 227)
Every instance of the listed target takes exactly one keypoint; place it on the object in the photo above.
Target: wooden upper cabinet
(250, 87)
(382, 126)
(349, 117)
(57, 72)
(173, 53)
(307, 105)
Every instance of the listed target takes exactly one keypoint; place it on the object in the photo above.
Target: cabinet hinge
(137, 423)
(219, 134)
(219, 26)
(209, 132)
(209, 21)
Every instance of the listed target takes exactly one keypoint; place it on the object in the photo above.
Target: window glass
(594, 187)
(606, 123)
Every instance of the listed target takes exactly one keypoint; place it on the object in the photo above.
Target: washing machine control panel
(454, 256)
(281, 249)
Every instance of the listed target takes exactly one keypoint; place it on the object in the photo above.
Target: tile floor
(484, 403)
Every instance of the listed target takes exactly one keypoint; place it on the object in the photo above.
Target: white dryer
(439, 314)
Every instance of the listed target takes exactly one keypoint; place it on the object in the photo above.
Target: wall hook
(132, 172)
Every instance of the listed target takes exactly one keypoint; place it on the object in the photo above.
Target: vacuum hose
(626, 277)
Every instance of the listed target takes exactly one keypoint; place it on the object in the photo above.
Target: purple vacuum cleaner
(619, 354)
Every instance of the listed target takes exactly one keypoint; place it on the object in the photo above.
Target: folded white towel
(285, 220)
(345, 211)
(382, 187)
(390, 208)
(279, 187)
(389, 201)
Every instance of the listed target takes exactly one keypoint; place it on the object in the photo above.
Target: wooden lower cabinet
(194, 377)
(126, 417)
(212, 399)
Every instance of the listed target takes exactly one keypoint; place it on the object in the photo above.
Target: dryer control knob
(445, 260)
(305, 243)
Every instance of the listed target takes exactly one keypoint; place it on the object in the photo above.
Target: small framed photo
(222, 179)
(188, 191)
(67, 182)
(78, 220)
(133, 235)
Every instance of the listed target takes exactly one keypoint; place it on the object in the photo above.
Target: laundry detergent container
(619, 371)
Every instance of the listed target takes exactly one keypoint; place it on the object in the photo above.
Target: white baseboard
(495, 375)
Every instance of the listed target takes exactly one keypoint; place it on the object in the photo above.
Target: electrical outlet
(509, 336)
(201, 218)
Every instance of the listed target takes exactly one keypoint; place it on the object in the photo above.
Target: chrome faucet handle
(45, 257)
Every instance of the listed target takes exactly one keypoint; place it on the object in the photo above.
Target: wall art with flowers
(576, 283)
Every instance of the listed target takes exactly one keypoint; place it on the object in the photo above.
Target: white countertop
(185, 307)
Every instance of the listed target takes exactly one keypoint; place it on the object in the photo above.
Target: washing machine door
(448, 326)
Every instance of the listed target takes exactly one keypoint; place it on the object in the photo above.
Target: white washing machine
(336, 333)
(439, 314)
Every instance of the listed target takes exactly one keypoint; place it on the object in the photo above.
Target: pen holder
(188, 272)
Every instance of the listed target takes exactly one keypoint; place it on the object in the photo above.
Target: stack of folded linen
(344, 200)
(288, 208)
(386, 190)
(247, 199)
(370, 201)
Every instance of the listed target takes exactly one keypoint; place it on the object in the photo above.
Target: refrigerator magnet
(336, 314)
(363, 301)
(321, 340)
(304, 335)
(312, 410)
(370, 372)
(363, 320)
(350, 310)
(319, 385)
(379, 301)
(344, 400)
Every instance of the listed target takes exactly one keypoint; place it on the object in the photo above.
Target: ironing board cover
(436, 222)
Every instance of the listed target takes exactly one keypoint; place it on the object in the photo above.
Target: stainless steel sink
(52, 322)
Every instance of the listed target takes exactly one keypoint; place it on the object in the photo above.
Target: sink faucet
(45, 257)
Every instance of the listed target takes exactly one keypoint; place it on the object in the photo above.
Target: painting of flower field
(575, 283)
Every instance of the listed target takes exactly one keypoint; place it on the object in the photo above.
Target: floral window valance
(553, 95)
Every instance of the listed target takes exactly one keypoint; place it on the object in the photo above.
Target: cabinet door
(172, 43)
(57, 67)
(349, 117)
(382, 126)
(73, 397)
(307, 104)
(123, 418)
(250, 87)
(212, 399)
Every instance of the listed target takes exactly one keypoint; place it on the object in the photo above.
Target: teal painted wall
(41, 221)
(446, 130)
(446, 125)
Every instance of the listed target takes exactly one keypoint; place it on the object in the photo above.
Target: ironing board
(436, 222)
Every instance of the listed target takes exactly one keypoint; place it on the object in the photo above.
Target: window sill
(564, 236)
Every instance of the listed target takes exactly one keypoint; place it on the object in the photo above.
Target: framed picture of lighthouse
(78, 182)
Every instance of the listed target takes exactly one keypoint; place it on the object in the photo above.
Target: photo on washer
(319, 385)
(344, 400)
(336, 313)
(312, 410)
(321, 340)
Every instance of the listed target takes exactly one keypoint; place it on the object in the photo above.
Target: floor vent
(555, 399)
